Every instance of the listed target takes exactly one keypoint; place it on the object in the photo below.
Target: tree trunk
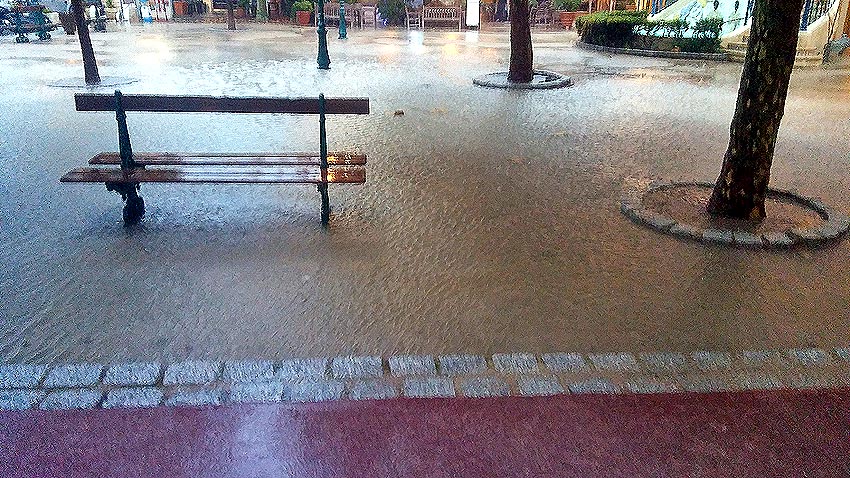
(231, 18)
(68, 23)
(522, 58)
(740, 191)
(89, 61)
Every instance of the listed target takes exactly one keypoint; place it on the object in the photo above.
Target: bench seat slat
(195, 174)
(231, 159)
(213, 104)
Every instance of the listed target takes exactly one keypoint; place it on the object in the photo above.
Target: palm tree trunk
(231, 18)
(740, 191)
(89, 61)
(522, 57)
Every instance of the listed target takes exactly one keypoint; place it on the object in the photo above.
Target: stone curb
(500, 80)
(682, 55)
(211, 383)
(834, 227)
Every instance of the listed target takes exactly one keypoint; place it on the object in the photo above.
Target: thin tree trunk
(740, 191)
(231, 18)
(89, 61)
(522, 58)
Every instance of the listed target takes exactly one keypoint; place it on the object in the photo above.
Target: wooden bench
(321, 168)
(442, 15)
(332, 14)
(436, 14)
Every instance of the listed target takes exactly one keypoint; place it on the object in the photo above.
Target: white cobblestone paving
(213, 383)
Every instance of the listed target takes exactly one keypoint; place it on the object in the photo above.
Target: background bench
(442, 15)
(320, 168)
(435, 14)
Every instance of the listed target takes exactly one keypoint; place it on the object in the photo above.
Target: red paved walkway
(764, 434)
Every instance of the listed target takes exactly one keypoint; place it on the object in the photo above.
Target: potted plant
(568, 11)
(301, 10)
(241, 8)
(111, 11)
(181, 7)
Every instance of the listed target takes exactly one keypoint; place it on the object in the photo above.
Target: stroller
(24, 19)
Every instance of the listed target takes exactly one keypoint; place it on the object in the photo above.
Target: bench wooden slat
(231, 159)
(194, 174)
(212, 104)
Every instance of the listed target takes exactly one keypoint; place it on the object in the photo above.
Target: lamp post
(324, 59)
(342, 31)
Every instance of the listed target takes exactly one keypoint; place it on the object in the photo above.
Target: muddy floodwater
(489, 220)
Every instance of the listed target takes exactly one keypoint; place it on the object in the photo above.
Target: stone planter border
(500, 80)
(834, 227)
(656, 54)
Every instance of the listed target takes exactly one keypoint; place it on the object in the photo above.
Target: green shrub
(698, 45)
(632, 30)
(674, 28)
(614, 29)
(301, 6)
(708, 27)
(567, 5)
(392, 11)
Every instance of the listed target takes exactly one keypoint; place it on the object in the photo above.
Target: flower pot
(302, 18)
(181, 7)
(568, 19)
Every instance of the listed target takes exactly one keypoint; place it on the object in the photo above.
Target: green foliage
(301, 6)
(392, 11)
(708, 27)
(244, 4)
(674, 28)
(567, 5)
(109, 4)
(615, 29)
(633, 30)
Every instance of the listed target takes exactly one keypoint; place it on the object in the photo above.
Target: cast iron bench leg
(326, 207)
(134, 207)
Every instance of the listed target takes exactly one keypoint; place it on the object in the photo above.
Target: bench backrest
(212, 104)
(120, 104)
(442, 13)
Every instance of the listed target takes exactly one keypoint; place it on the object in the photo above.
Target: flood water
(489, 221)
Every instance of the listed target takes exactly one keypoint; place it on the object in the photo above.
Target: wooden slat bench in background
(418, 18)
(321, 168)
(442, 14)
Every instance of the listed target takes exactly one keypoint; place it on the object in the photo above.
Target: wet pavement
(489, 220)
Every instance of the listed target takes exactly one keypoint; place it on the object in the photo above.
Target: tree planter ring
(835, 224)
(543, 80)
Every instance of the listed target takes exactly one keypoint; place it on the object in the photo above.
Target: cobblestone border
(211, 382)
(682, 55)
(835, 224)
(500, 80)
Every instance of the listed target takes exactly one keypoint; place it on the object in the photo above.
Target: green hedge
(392, 11)
(621, 29)
(615, 29)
